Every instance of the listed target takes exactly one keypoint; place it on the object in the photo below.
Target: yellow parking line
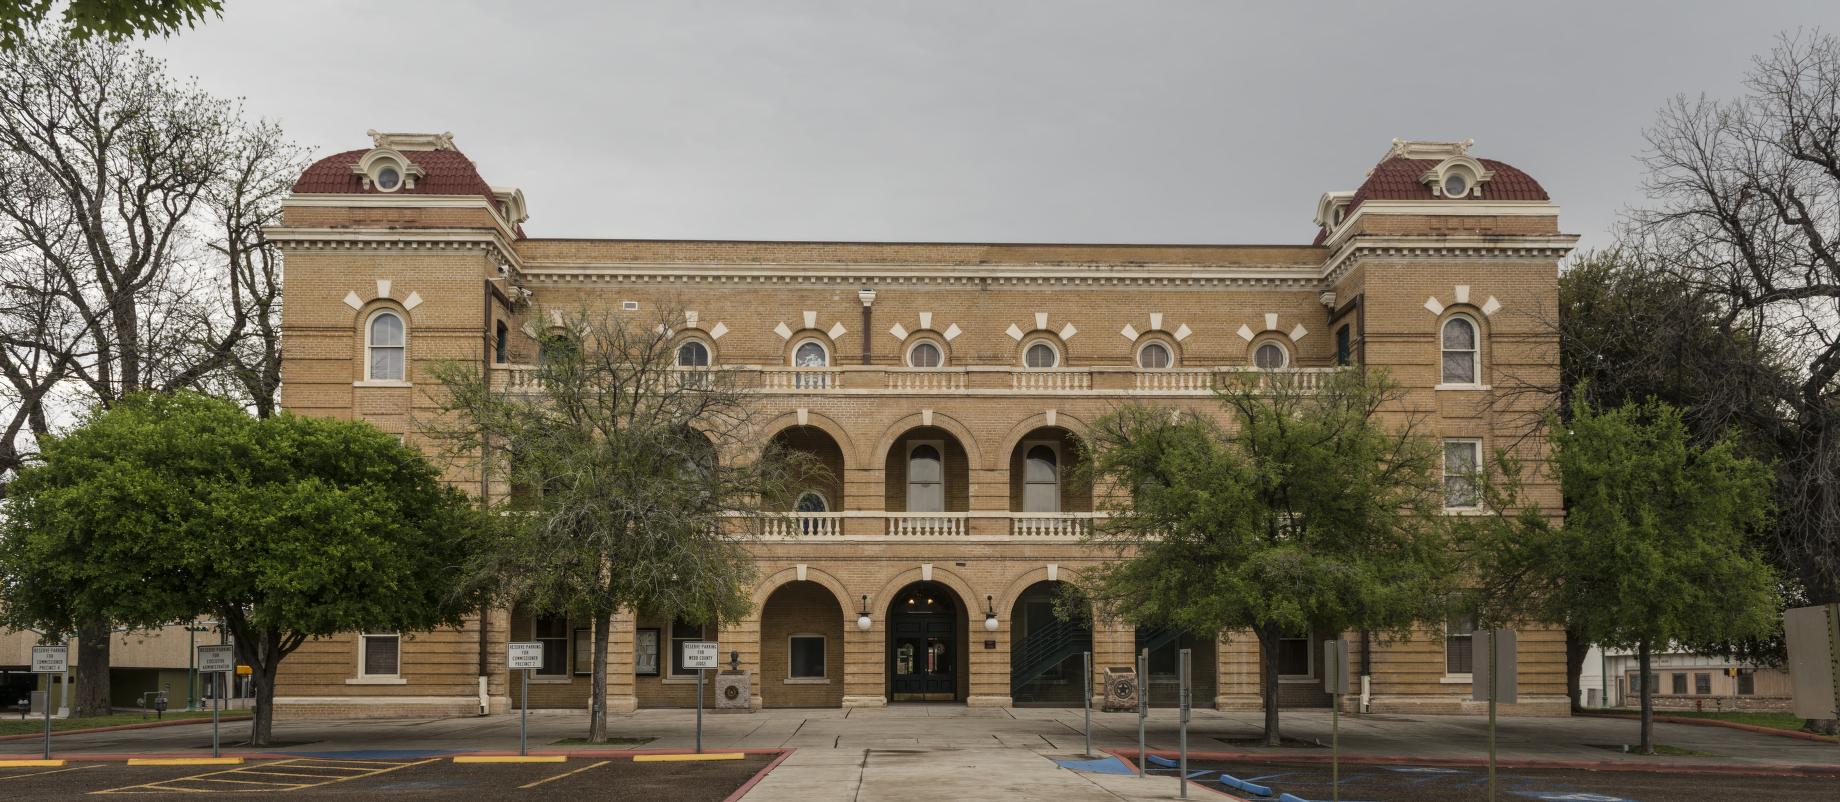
(185, 761)
(381, 771)
(30, 763)
(53, 771)
(246, 782)
(511, 758)
(565, 774)
(677, 758)
(289, 774)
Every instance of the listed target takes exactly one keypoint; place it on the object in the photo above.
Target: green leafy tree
(1657, 546)
(287, 529)
(113, 19)
(635, 483)
(1309, 512)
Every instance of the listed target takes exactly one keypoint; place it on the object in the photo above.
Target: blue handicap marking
(1110, 765)
(1570, 796)
(1161, 761)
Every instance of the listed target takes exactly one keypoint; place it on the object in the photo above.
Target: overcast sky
(973, 120)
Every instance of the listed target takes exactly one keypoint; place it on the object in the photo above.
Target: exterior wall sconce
(862, 619)
(990, 613)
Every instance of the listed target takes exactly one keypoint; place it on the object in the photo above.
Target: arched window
(813, 501)
(693, 354)
(1041, 355)
(1270, 355)
(1153, 356)
(926, 486)
(1041, 480)
(385, 334)
(924, 354)
(1462, 363)
(810, 354)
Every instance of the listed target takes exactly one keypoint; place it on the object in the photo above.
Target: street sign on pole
(1088, 700)
(49, 660)
(1185, 697)
(1496, 680)
(700, 655)
(219, 659)
(1335, 681)
(1143, 705)
(526, 656)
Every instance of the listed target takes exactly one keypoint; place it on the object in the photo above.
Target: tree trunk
(597, 715)
(262, 720)
(1268, 654)
(1576, 650)
(92, 696)
(1647, 747)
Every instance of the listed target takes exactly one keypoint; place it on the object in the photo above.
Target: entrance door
(923, 645)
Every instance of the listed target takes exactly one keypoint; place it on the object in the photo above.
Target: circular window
(1153, 356)
(1456, 185)
(1270, 356)
(388, 179)
(925, 355)
(810, 354)
(1041, 355)
(693, 354)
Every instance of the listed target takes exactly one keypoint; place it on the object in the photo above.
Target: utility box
(1813, 637)
(1120, 689)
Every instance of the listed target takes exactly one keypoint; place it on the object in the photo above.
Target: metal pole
(191, 668)
(217, 703)
(1143, 705)
(48, 714)
(524, 717)
(1494, 686)
(699, 711)
(1186, 701)
(1335, 724)
(1087, 699)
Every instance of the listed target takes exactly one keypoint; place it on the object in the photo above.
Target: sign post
(526, 656)
(700, 655)
(1143, 705)
(49, 660)
(217, 660)
(1335, 681)
(1186, 694)
(1497, 682)
(1087, 685)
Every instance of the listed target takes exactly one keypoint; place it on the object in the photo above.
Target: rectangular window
(1747, 683)
(553, 632)
(1462, 464)
(645, 653)
(501, 352)
(1702, 684)
(584, 652)
(380, 655)
(1680, 685)
(1344, 346)
(682, 633)
(1294, 655)
(1460, 645)
(805, 654)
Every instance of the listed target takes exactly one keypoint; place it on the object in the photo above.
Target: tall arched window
(1041, 480)
(1462, 355)
(386, 346)
(926, 486)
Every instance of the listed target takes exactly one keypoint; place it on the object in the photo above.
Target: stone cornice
(292, 237)
(1551, 246)
(1159, 276)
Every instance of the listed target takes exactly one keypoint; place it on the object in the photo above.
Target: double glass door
(921, 660)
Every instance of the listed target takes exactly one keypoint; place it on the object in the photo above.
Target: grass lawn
(14, 726)
(1776, 720)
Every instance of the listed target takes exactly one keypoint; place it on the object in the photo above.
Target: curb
(1759, 770)
(1713, 722)
(1120, 754)
(145, 725)
(759, 775)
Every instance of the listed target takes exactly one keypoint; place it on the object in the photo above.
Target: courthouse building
(946, 386)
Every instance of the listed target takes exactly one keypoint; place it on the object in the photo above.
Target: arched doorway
(926, 638)
(801, 647)
(1045, 663)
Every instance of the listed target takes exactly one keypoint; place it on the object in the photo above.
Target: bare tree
(636, 482)
(131, 248)
(1746, 209)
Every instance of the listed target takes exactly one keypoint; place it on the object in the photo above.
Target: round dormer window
(1456, 185)
(389, 179)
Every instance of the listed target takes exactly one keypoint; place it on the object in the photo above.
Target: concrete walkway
(968, 754)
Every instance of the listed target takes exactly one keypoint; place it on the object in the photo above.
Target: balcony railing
(876, 525)
(1068, 525)
(968, 381)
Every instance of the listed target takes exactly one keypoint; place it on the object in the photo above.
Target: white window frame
(908, 359)
(370, 321)
(824, 677)
(939, 446)
(1475, 444)
(1055, 446)
(1475, 354)
(1030, 345)
(1309, 651)
(1449, 625)
(709, 353)
(364, 645)
(1275, 343)
(1167, 349)
(822, 346)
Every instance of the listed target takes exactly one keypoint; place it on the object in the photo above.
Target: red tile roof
(448, 172)
(1396, 178)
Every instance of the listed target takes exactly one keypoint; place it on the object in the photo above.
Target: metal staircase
(1044, 648)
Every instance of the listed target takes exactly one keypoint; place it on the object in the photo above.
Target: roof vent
(402, 141)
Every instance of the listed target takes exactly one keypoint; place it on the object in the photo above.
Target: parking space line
(366, 768)
(248, 782)
(565, 774)
(53, 771)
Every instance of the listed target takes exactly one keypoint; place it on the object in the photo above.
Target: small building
(1683, 681)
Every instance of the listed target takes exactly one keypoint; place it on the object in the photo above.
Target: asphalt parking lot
(1366, 783)
(395, 777)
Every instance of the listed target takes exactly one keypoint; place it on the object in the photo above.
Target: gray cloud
(1129, 121)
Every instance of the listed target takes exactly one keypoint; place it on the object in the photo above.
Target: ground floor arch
(801, 647)
(1046, 649)
(927, 634)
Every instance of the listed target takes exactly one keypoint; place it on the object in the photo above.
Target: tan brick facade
(1392, 274)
